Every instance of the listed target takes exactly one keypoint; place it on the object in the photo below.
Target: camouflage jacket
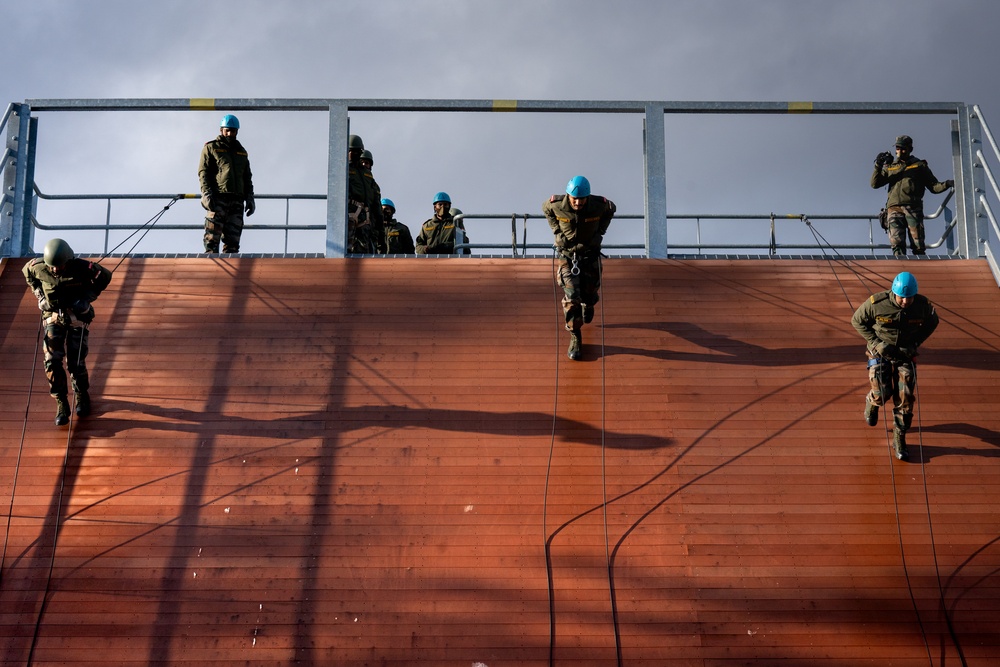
(361, 187)
(881, 321)
(398, 240)
(79, 280)
(437, 236)
(225, 168)
(587, 226)
(907, 180)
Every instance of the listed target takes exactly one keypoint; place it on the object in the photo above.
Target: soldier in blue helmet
(579, 221)
(398, 240)
(895, 323)
(437, 234)
(226, 187)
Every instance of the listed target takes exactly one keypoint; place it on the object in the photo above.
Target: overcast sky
(671, 50)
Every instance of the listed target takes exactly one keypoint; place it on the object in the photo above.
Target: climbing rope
(548, 539)
(823, 243)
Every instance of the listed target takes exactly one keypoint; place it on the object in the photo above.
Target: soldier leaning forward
(226, 187)
(65, 286)
(894, 323)
(579, 221)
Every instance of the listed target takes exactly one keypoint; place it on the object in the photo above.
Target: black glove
(949, 183)
(251, 206)
(883, 158)
(83, 311)
(890, 351)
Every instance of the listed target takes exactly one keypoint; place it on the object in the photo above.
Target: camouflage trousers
(892, 379)
(65, 342)
(903, 219)
(581, 292)
(224, 221)
(360, 231)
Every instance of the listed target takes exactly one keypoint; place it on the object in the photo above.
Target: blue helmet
(231, 121)
(904, 285)
(442, 196)
(388, 202)
(578, 186)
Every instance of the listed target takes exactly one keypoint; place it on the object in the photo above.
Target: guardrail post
(336, 187)
(16, 232)
(655, 168)
(966, 138)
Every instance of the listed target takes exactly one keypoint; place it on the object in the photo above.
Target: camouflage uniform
(579, 234)
(907, 179)
(398, 240)
(894, 334)
(66, 311)
(437, 236)
(226, 185)
(365, 226)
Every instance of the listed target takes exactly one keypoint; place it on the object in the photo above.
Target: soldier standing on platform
(907, 178)
(437, 235)
(365, 227)
(398, 240)
(226, 187)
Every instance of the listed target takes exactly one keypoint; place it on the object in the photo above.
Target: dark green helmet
(354, 141)
(57, 252)
(903, 141)
(367, 155)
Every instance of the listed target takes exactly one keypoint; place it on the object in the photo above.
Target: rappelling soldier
(65, 286)
(907, 178)
(226, 187)
(398, 240)
(365, 226)
(895, 323)
(579, 221)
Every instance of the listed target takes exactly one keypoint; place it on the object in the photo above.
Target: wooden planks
(391, 461)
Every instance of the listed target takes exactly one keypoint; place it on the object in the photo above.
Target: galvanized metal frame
(965, 131)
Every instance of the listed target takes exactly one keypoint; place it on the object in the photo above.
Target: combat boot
(62, 410)
(82, 404)
(902, 425)
(871, 413)
(575, 350)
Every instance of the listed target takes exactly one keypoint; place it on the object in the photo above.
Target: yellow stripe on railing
(800, 107)
(203, 103)
(505, 105)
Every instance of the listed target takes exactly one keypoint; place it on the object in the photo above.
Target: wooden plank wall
(392, 462)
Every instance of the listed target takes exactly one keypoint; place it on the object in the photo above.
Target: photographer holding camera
(907, 178)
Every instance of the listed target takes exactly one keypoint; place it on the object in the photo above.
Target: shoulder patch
(554, 198)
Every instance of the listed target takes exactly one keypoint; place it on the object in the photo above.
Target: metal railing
(985, 165)
(108, 227)
(517, 247)
(966, 124)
